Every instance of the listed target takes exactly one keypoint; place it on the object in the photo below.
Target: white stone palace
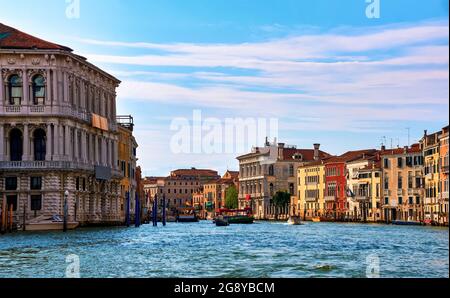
(58, 133)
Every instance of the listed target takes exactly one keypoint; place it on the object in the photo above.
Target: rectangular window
(400, 200)
(36, 183)
(386, 201)
(400, 162)
(11, 183)
(386, 163)
(36, 202)
(400, 182)
(411, 200)
(11, 200)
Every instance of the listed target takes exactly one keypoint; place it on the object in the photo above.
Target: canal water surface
(204, 250)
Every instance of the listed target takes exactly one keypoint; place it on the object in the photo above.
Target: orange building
(443, 177)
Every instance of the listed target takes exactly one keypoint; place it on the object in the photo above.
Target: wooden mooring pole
(3, 220)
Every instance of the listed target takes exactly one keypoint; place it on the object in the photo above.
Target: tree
(281, 199)
(231, 198)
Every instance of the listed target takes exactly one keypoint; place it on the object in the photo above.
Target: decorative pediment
(32, 72)
(6, 73)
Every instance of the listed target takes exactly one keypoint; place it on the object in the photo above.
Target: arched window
(16, 145)
(38, 90)
(15, 90)
(39, 145)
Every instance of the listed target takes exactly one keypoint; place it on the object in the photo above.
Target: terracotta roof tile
(11, 38)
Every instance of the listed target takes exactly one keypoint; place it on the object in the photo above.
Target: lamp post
(66, 195)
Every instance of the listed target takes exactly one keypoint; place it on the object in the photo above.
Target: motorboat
(45, 223)
(316, 219)
(221, 222)
(406, 223)
(186, 215)
(236, 216)
(295, 220)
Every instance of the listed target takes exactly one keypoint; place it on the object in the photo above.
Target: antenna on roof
(409, 135)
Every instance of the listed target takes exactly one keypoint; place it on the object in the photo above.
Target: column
(104, 159)
(26, 87)
(2, 88)
(55, 141)
(83, 146)
(96, 155)
(48, 148)
(2, 139)
(61, 142)
(76, 154)
(48, 86)
(26, 142)
(66, 87)
(67, 142)
(55, 87)
(116, 155)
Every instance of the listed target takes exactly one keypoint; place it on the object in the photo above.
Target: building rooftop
(11, 38)
(415, 148)
(353, 155)
(193, 172)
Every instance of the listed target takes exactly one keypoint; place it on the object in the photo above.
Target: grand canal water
(204, 250)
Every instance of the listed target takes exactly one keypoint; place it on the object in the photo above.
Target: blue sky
(326, 71)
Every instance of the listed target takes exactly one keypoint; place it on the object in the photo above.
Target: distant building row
(406, 184)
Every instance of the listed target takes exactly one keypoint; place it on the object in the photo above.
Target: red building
(336, 204)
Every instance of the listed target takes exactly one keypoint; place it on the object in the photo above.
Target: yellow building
(311, 186)
(127, 162)
(430, 146)
(402, 184)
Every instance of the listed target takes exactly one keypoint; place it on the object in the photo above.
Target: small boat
(54, 223)
(316, 219)
(295, 220)
(221, 222)
(406, 223)
(236, 216)
(186, 215)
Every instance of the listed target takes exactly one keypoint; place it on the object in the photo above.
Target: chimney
(316, 152)
(281, 151)
(383, 148)
(406, 149)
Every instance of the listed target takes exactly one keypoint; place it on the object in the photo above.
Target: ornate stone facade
(48, 141)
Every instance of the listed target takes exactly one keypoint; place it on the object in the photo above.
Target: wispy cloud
(353, 80)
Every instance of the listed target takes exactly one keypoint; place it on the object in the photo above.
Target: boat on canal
(407, 223)
(295, 221)
(316, 219)
(45, 223)
(186, 215)
(235, 216)
(221, 222)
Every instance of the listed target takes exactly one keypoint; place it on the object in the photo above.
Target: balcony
(413, 192)
(50, 166)
(445, 169)
(444, 195)
(387, 192)
(400, 192)
(330, 199)
(12, 109)
(362, 198)
(311, 200)
(44, 165)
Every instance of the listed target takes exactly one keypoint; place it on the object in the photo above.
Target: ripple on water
(203, 250)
